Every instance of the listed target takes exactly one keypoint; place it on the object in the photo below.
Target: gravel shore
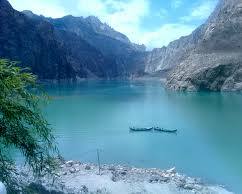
(76, 177)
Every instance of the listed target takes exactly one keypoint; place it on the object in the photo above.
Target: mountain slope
(32, 43)
(166, 58)
(97, 34)
(67, 48)
(208, 59)
(129, 57)
(76, 47)
(215, 62)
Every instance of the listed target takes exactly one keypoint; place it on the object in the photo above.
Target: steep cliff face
(215, 62)
(167, 58)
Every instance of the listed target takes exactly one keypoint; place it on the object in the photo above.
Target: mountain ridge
(207, 59)
(215, 63)
(46, 49)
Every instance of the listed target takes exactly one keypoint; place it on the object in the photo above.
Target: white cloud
(165, 34)
(124, 16)
(176, 3)
(43, 7)
(163, 13)
(128, 17)
(201, 12)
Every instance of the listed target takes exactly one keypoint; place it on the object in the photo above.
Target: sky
(154, 23)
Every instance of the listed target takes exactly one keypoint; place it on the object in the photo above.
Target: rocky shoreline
(76, 177)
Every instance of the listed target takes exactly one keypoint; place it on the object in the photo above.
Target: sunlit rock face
(165, 59)
(208, 59)
(215, 61)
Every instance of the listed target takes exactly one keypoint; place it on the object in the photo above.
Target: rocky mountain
(96, 33)
(163, 60)
(210, 58)
(67, 48)
(129, 57)
(76, 47)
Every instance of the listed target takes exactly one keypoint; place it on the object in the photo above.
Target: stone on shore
(75, 177)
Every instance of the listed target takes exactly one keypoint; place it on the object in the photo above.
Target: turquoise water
(93, 115)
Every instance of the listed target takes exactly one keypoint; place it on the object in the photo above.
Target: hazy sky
(154, 23)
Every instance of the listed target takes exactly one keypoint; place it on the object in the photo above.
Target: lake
(97, 115)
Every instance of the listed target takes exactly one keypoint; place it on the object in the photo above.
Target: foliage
(22, 126)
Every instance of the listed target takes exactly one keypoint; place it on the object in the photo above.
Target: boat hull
(140, 129)
(165, 130)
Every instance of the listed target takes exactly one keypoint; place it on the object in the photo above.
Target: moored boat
(136, 129)
(165, 130)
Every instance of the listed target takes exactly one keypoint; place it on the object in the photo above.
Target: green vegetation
(22, 126)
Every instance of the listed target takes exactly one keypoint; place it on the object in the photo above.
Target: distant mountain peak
(105, 29)
(90, 23)
(28, 13)
(93, 19)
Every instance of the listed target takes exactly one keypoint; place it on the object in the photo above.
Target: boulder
(69, 163)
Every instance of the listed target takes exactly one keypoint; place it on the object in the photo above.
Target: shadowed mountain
(129, 57)
(33, 43)
(53, 51)
(76, 47)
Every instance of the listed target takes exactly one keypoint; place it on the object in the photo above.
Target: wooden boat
(165, 130)
(135, 129)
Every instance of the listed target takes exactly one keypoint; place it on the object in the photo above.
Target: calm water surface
(93, 115)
